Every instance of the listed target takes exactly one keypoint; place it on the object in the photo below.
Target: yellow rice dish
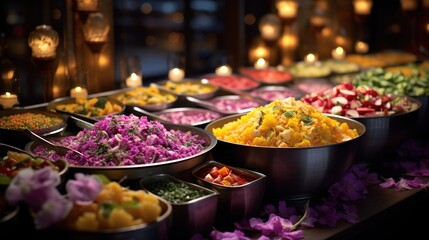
(285, 123)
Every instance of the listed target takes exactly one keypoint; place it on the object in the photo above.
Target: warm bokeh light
(177, 17)
(224, 70)
(175, 38)
(287, 8)
(311, 58)
(249, 19)
(362, 7)
(150, 40)
(338, 53)
(270, 27)
(408, 5)
(261, 63)
(289, 41)
(146, 8)
(361, 47)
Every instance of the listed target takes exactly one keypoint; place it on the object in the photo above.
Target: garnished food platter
(97, 158)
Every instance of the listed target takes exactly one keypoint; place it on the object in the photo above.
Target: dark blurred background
(205, 32)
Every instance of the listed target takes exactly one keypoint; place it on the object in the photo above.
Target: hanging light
(287, 9)
(96, 28)
(270, 27)
(87, 5)
(362, 7)
(43, 42)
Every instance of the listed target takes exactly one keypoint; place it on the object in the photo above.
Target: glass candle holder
(176, 66)
(9, 85)
(79, 87)
(43, 42)
(134, 72)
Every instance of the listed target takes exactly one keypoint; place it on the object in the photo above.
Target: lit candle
(311, 58)
(134, 80)
(78, 92)
(176, 74)
(261, 64)
(362, 7)
(287, 9)
(223, 70)
(361, 47)
(338, 53)
(8, 99)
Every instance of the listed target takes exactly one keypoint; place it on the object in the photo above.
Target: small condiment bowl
(243, 199)
(191, 215)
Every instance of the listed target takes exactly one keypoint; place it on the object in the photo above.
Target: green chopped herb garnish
(289, 114)
(307, 120)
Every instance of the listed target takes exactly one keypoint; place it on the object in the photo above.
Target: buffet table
(383, 213)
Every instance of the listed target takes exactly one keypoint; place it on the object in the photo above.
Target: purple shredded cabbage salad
(120, 140)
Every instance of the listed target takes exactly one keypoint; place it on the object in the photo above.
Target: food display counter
(374, 208)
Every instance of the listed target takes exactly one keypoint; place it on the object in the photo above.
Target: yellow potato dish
(93, 107)
(142, 96)
(115, 207)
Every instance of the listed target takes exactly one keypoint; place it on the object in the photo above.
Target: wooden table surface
(384, 214)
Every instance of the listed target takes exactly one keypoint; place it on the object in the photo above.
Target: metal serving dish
(271, 75)
(385, 133)
(132, 98)
(189, 87)
(421, 129)
(157, 230)
(269, 93)
(233, 81)
(196, 216)
(52, 106)
(17, 137)
(132, 172)
(229, 104)
(292, 173)
(236, 203)
(190, 116)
